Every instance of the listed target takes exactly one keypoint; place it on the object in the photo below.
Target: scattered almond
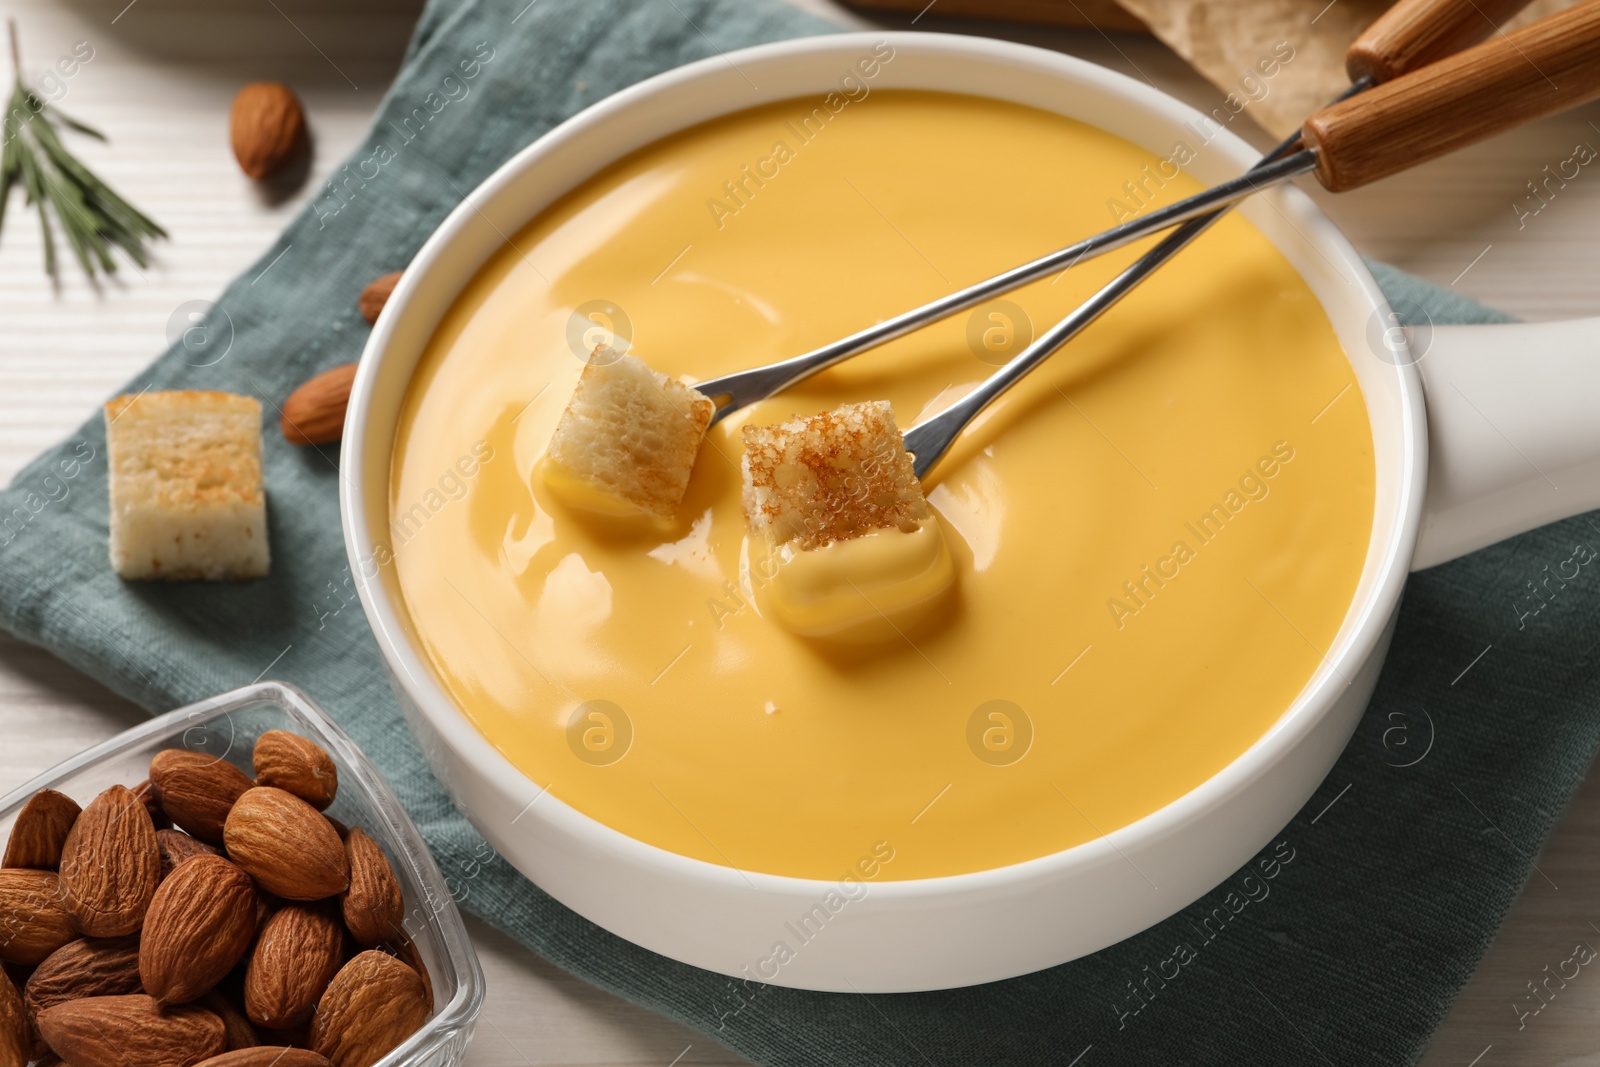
(240, 1033)
(376, 295)
(88, 967)
(199, 925)
(299, 951)
(267, 127)
(292, 763)
(110, 865)
(16, 1036)
(130, 1031)
(314, 413)
(372, 1005)
(373, 906)
(197, 790)
(268, 1056)
(177, 846)
(286, 845)
(40, 831)
(33, 920)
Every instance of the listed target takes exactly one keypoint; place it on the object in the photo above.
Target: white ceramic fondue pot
(1490, 431)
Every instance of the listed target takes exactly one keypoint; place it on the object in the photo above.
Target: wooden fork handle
(1414, 33)
(1513, 78)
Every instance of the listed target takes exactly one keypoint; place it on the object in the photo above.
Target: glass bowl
(227, 726)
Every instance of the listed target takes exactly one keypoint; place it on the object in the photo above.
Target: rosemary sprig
(91, 215)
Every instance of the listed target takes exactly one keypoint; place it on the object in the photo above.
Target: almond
(373, 906)
(88, 967)
(286, 845)
(177, 846)
(314, 413)
(372, 1005)
(240, 1033)
(267, 127)
(16, 1036)
(268, 1056)
(147, 793)
(296, 765)
(200, 923)
(130, 1031)
(197, 790)
(299, 951)
(407, 953)
(40, 831)
(110, 865)
(33, 919)
(375, 297)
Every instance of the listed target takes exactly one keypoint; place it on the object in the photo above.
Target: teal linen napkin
(1382, 894)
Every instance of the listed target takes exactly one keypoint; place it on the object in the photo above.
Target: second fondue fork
(1423, 112)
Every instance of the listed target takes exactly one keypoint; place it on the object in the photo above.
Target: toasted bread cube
(185, 478)
(627, 441)
(831, 477)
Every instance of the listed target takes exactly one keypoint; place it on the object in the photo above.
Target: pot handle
(1513, 431)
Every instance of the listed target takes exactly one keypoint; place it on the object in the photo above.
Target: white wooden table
(162, 76)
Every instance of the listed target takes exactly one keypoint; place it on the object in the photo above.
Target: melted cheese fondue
(1156, 535)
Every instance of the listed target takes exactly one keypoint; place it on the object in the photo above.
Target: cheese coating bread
(830, 477)
(627, 441)
(185, 478)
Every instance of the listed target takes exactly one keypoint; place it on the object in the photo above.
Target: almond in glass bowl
(158, 992)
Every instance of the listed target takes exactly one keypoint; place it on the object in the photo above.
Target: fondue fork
(1407, 37)
(1421, 112)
